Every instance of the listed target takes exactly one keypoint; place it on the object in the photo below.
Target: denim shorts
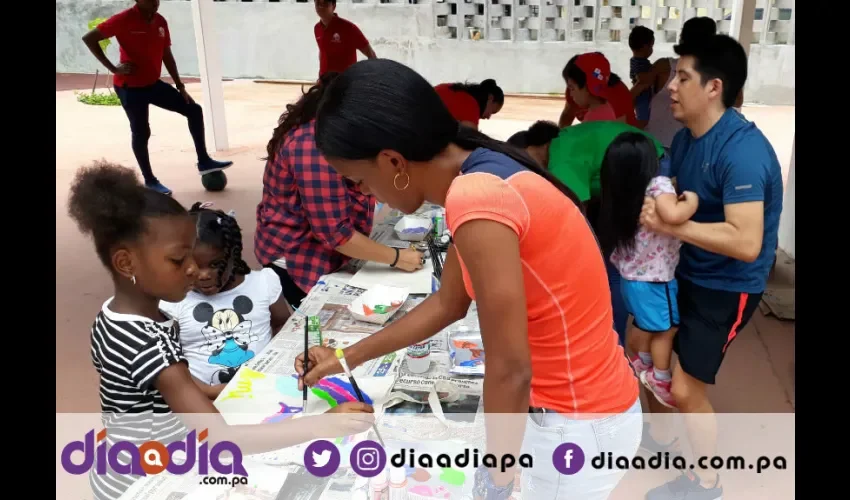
(619, 434)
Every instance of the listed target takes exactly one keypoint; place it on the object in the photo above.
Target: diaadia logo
(151, 457)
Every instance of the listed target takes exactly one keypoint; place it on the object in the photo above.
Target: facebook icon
(568, 458)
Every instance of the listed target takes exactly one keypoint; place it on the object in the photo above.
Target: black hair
(719, 56)
(630, 163)
(481, 92)
(696, 29)
(220, 230)
(573, 72)
(303, 111)
(108, 202)
(379, 104)
(640, 37)
(542, 132)
(332, 2)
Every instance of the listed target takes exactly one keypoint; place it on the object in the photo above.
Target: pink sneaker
(639, 366)
(660, 388)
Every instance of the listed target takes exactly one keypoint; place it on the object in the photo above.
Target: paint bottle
(398, 483)
(378, 486)
(419, 357)
(314, 331)
(439, 223)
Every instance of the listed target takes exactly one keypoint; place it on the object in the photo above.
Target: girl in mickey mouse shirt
(233, 312)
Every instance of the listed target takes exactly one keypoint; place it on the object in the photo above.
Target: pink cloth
(600, 113)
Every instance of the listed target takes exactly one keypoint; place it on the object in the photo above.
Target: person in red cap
(594, 93)
(470, 102)
(338, 39)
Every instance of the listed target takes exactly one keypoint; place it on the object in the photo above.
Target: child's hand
(344, 420)
(650, 219)
(352, 407)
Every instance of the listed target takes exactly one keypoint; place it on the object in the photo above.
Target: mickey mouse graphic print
(221, 332)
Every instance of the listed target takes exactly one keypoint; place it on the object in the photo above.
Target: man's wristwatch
(180, 86)
(485, 489)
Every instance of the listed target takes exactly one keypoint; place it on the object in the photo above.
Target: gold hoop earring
(395, 182)
(133, 279)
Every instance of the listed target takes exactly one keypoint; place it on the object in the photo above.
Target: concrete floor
(758, 372)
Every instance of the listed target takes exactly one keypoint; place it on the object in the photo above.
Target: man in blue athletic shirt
(729, 244)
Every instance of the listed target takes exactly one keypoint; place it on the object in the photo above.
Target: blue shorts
(642, 105)
(653, 305)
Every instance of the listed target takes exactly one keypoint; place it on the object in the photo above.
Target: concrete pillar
(743, 16)
(209, 64)
(786, 221)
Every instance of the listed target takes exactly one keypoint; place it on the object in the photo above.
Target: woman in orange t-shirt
(594, 93)
(469, 103)
(523, 251)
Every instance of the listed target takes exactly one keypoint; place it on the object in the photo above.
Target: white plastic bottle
(378, 486)
(398, 483)
(419, 357)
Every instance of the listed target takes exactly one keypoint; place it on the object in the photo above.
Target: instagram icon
(368, 458)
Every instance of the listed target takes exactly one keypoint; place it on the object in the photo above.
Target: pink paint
(423, 490)
(339, 390)
(426, 491)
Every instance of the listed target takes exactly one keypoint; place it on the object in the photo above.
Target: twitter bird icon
(321, 458)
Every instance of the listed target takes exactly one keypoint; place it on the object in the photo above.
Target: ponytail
(614, 80)
(303, 111)
(471, 139)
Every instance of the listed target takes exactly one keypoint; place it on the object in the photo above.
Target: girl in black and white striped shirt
(145, 239)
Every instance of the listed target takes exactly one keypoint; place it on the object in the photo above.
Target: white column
(209, 64)
(786, 221)
(743, 16)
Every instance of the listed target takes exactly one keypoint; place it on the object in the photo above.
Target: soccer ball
(214, 181)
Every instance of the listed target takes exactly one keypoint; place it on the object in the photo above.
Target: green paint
(324, 395)
(453, 477)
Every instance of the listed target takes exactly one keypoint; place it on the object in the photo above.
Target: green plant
(110, 99)
(92, 25)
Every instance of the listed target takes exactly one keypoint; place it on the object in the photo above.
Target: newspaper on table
(454, 400)
(339, 330)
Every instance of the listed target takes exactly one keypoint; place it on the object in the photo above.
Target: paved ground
(757, 376)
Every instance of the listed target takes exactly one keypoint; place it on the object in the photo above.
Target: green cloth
(575, 156)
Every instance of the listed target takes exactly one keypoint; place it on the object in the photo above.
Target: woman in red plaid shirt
(310, 216)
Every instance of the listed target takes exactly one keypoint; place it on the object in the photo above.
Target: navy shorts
(642, 105)
(711, 320)
(654, 305)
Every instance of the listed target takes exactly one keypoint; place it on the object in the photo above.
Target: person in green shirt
(575, 156)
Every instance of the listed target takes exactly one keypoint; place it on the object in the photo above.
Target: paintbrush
(436, 257)
(306, 360)
(341, 357)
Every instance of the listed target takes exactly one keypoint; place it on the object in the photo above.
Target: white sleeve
(172, 309)
(273, 286)
(660, 185)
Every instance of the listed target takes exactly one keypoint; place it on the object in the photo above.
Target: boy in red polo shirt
(145, 45)
(582, 69)
(338, 40)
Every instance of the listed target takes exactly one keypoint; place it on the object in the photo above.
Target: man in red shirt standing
(145, 45)
(338, 39)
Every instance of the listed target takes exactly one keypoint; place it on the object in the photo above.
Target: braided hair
(220, 230)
